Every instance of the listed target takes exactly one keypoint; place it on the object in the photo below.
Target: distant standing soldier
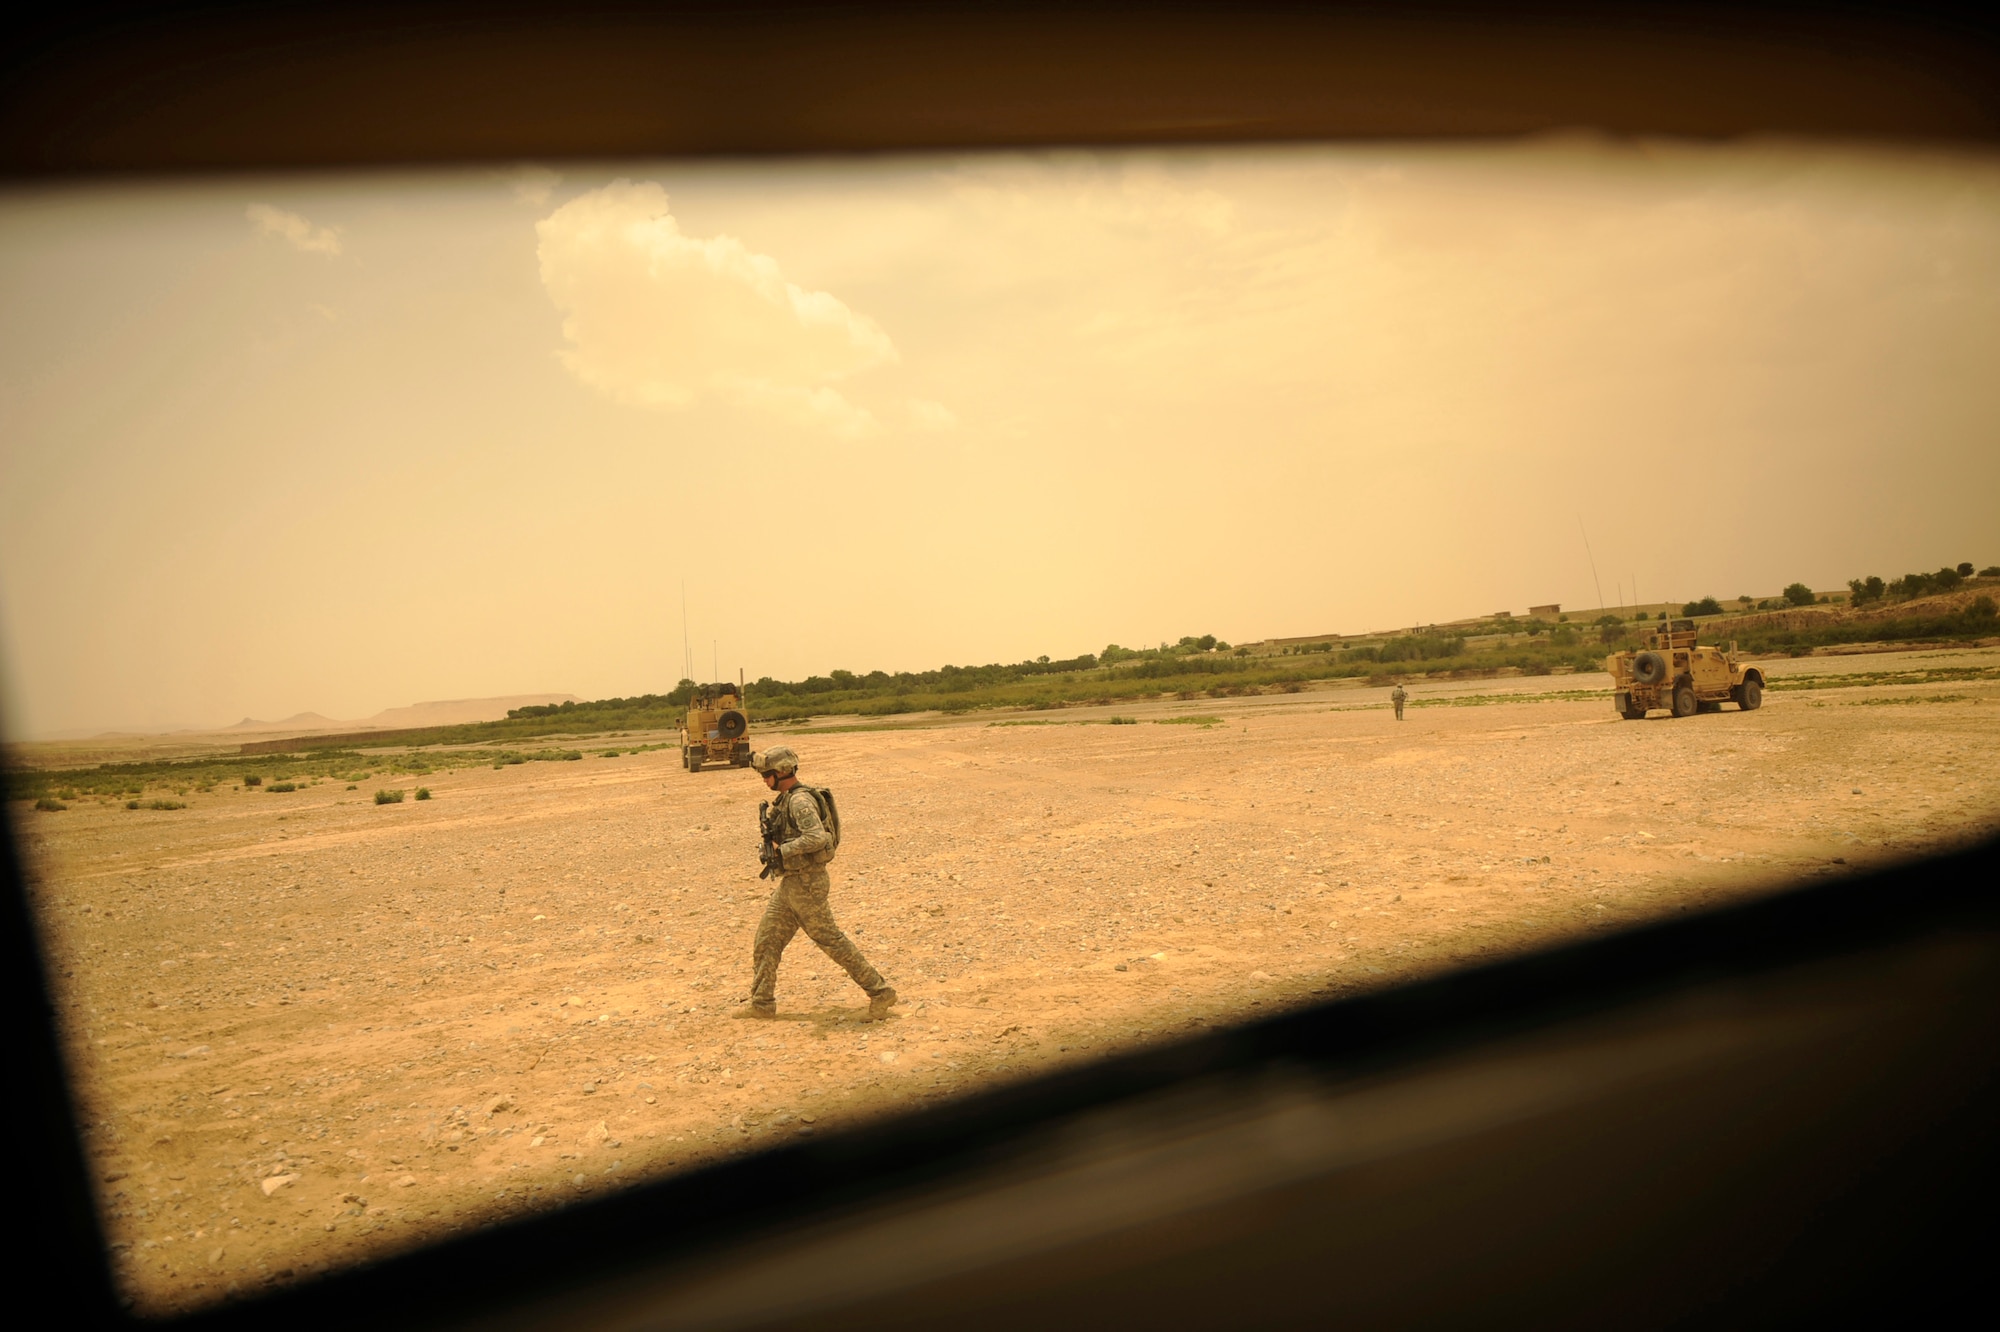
(1398, 696)
(799, 846)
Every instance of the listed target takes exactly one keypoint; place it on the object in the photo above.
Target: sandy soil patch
(307, 1028)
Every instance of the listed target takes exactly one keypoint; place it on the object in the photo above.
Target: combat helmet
(779, 759)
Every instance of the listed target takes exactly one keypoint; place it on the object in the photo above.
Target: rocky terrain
(308, 1028)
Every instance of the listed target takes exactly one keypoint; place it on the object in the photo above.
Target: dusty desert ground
(308, 1029)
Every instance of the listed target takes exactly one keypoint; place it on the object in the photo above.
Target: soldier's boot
(880, 1002)
(756, 1009)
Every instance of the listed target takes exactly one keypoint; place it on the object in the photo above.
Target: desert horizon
(332, 443)
(1745, 610)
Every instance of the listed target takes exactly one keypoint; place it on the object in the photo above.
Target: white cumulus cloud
(928, 415)
(290, 226)
(657, 318)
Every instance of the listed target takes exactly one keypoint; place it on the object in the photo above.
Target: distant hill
(298, 721)
(441, 712)
(458, 711)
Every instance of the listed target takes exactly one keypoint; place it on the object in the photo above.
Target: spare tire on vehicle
(1649, 668)
(732, 724)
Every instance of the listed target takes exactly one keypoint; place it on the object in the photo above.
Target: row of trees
(1192, 653)
(1862, 591)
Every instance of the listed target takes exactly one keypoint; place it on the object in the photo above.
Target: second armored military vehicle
(1671, 672)
(717, 728)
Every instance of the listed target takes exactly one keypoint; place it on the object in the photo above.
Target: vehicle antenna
(687, 651)
(1593, 563)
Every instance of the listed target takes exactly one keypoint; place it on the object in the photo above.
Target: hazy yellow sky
(343, 443)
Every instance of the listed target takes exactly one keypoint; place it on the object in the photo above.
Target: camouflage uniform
(1396, 696)
(799, 901)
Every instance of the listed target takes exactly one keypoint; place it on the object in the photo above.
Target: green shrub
(1706, 606)
(352, 787)
(423, 793)
(1990, 571)
(1798, 594)
(279, 788)
(252, 779)
(609, 753)
(167, 804)
(1124, 721)
(49, 803)
(389, 797)
(131, 804)
(1861, 591)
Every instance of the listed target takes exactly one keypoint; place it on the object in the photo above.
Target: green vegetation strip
(266, 774)
(1979, 620)
(1865, 679)
(1105, 721)
(1481, 700)
(1188, 670)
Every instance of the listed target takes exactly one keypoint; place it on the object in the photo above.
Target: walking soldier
(798, 843)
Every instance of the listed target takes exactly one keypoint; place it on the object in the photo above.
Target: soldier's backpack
(829, 814)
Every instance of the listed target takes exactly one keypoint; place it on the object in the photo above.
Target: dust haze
(284, 455)
(334, 444)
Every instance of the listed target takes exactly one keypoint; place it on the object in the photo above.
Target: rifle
(770, 858)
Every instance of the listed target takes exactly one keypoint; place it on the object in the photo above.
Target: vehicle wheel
(1684, 703)
(694, 764)
(1750, 696)
(1649, 668)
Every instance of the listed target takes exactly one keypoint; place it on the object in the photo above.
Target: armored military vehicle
(717, 728)
(1671, 672)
